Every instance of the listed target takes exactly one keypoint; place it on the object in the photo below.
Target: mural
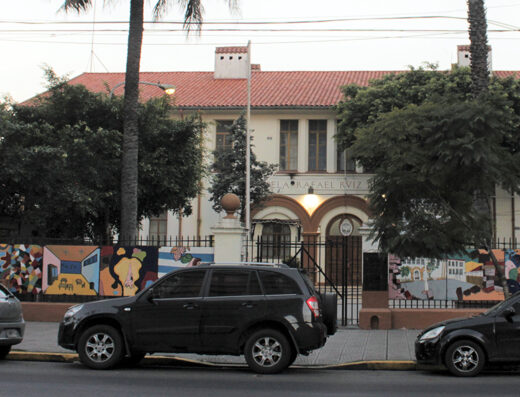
(21, 267)
(467, 277)
(132, 269)
(92, 270)
(171, 258)
(71, 270)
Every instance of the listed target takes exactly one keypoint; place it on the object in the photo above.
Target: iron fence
(439, 304)
(332, 264)
(152, 240)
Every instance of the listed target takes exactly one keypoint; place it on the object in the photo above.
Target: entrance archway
(344, 250)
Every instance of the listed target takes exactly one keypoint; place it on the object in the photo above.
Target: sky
(284, 34)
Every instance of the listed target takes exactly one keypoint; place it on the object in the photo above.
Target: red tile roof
(268, 89)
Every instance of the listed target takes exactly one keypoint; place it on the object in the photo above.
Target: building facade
(292, 125)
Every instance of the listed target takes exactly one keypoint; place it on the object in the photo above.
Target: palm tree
(478, 50)
(478, 46)
(129, 173)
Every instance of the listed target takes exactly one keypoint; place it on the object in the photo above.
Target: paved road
(64, 379)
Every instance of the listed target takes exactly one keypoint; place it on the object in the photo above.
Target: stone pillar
(229, 233)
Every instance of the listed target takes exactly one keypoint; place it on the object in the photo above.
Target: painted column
(303, 145)
(332, 153)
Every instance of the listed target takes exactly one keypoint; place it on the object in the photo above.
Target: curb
(386, 365)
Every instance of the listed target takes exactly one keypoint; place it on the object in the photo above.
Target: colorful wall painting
(462, 278)
(71, 270)
(171, 258)
(92, 270)
(132, 269)
(21, 267)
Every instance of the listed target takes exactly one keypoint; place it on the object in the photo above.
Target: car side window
(233, 283)
(278, 284)
(181, 285)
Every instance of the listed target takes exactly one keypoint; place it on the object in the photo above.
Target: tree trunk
(478, 47)
(129, 168)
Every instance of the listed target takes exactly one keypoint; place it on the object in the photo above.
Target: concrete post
(229, 233)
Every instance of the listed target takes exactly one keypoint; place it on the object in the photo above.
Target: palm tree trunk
(478, 46)
(129, 168)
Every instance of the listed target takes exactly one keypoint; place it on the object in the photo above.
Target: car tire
(4, 351)
(268, 351)
(464, 358)
(100, 347)
(330, 312)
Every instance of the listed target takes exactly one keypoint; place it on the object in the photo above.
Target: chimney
(463, 56)
(231, 63)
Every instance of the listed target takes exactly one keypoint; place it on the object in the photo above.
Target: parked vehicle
(465, 346)
(269, 313)
(12, 324)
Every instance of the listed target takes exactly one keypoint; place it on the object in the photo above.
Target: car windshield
(495, 309)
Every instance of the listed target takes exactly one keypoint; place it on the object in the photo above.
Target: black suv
(268, 313)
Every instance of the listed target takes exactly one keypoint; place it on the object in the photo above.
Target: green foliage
(433, 151)
(230, 172)
(61, 161)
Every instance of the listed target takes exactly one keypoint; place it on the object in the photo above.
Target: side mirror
(150, 295)
(509, 312)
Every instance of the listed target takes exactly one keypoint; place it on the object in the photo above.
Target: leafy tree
(405, 271)
(61, 161)
(431, 148)
(230, 172)
(129, 169)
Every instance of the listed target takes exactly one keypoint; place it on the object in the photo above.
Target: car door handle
(190, 306)
(249, 305)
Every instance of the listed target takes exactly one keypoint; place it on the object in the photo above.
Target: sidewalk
(349, 347)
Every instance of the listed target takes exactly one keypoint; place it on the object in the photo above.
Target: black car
(464, 346)
(268, 313)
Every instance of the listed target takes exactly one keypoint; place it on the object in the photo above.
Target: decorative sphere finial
(230, 203)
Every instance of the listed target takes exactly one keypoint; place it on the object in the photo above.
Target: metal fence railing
(152, 240)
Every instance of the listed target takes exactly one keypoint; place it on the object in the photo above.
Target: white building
(292, 124)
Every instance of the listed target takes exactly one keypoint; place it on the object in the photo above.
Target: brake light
(314, 305)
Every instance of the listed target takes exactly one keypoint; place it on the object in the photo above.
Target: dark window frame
(317, 160)
(289, 130)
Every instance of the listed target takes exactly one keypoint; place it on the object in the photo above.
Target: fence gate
(334, 265)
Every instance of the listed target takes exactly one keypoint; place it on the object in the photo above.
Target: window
(345, 161)
(288, 144)
(275, 239)
(317, 145)
(278, 284)
(234, 283)
(224, 135)
(159, 227)
(181, 285)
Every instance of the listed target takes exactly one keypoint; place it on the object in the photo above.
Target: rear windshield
(308, 283)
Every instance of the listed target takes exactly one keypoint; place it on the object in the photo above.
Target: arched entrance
(344, 250)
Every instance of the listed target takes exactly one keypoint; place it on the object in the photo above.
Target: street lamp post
(167, 88)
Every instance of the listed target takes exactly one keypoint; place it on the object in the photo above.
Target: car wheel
(4, 351)
(268, 351)
(330, 312)
(464, 358)
(100, 347)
